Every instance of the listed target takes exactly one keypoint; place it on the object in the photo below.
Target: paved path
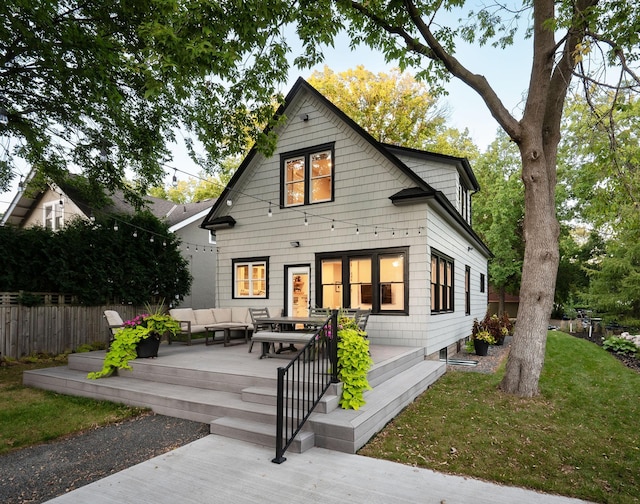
(221, 470)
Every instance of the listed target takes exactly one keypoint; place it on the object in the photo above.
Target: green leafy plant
(354, 362)
(485, 336)
(619, 345)
(123, 348)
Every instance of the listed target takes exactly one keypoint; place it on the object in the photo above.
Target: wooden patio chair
(114, 322)
(256, 314)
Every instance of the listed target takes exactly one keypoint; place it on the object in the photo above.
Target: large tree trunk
(539, 271)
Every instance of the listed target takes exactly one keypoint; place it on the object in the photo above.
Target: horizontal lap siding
(447, 328)
(364, 181)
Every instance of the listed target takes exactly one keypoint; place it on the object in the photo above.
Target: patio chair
(114, 322)
(258, 313)
(319, 312)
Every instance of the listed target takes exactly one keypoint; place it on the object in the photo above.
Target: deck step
(258, 433)
(349, 430)
(269, 395)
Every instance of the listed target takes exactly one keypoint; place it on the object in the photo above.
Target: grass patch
(30, 416)
(578, 438)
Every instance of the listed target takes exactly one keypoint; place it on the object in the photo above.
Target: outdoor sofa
(195, 322)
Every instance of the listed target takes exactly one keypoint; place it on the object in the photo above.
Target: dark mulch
(40, 473)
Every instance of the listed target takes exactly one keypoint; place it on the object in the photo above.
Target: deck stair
(235, 392)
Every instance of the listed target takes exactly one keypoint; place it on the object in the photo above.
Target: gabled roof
(418, 193)
(177, 216)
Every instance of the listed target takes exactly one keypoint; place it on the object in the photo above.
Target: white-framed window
(250, 277)
(53, 216)
(307, 176)
(464, 203)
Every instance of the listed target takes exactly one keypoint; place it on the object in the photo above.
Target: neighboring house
(57, 205)
(511, 303)
(336, 219)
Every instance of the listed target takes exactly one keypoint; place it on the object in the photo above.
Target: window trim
(467, 290)
(482, 283)
(439, 256)
(374, 255)
(306, 153)
(249, 261)
(57, 212)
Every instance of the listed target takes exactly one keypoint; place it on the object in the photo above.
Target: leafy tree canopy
(394, 108)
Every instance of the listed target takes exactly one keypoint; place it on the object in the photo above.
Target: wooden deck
(234, 391)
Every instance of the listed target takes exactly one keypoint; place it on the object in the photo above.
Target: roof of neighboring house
(176, 215)
(494, 296)
(422, 190)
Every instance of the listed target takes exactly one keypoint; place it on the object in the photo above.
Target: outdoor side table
(211, 332)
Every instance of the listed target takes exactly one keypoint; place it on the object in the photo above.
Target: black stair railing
(302, 383)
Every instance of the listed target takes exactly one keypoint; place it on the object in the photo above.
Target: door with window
(298, 290)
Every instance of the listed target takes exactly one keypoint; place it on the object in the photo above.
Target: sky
(506, 70)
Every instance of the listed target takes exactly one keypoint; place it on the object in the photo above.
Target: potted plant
(139, 338)
(481, 342)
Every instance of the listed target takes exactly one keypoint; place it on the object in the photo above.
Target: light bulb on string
(357, 230)
(269, 213)
(306, 222)
(174, 180)
(229, 202)
(375, 231)
(333, 227)
(135, 233)
(151, 239)
(115, 226)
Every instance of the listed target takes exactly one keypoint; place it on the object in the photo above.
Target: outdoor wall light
(469, 249)
(294, 244)
(304, 117)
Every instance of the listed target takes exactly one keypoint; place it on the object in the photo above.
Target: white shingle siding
(364, 180)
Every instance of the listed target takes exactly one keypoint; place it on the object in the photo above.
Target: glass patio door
(298, 291)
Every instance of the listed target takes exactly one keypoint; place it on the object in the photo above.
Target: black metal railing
(302, 383)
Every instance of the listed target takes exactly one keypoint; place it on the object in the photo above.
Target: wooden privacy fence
(53, 328)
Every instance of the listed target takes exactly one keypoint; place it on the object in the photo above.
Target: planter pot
(481, 347)
(148, 347)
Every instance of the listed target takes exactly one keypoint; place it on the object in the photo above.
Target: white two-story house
(336, 219)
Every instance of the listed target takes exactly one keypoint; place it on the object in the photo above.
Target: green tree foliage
(96, 263)
(601, 174)
(498, 213)
(102, 84)
(394, 108)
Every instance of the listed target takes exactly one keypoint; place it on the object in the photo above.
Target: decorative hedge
(95, 262)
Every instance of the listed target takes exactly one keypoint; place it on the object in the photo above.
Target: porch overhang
(225, 222)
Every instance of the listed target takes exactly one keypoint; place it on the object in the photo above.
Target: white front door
(298, 291)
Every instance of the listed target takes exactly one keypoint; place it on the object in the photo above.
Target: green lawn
(30, 416)
(579, 438)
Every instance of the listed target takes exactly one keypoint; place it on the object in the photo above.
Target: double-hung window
(373, 279)
(307, 176)
(53, 216)
(250, 277)
(441, 283)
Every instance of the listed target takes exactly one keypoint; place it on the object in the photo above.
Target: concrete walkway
(215, 469)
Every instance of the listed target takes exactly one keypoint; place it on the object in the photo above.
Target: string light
(306, 222)
(357, 230)
(375, 232)
(229, 202)
(151, 239)
(135, 233)
(333, 227)
(269, 213)
(174, 180)
(115, 226)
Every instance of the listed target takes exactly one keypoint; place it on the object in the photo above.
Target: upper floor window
(307, 176)
(53, 216)
(464, 203)
(250, 277)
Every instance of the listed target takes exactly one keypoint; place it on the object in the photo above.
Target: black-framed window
(467, 290)
(250, 277)
(482, 282)
(369, 279)
(307, 176)
(441, 283)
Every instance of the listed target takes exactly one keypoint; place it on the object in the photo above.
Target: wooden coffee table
(211, 332)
